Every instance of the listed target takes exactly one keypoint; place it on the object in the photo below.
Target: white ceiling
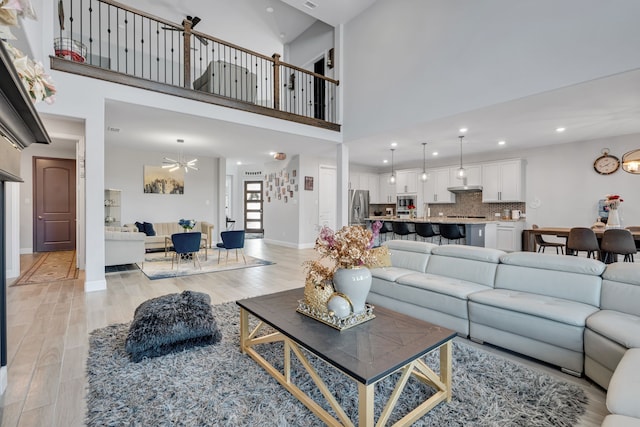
(598, 109)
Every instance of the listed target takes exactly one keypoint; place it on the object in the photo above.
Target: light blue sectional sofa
(576, 313)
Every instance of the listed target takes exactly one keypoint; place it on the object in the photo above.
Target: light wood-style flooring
(48, 327)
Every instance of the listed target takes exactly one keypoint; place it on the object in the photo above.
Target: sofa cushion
(443, 285)
(625, 272)
(621, 288)
(390, 274)
(140, 226)
(556, 309)
(172, 322)
(624, 388)
(148, 229)
(554, 262)
(619, 327)
(613, 420)
(567, 285)
(469, 252)
(409, 255)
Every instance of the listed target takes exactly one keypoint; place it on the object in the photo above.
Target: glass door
(253, 207)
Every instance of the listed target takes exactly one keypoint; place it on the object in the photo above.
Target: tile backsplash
(470, 204)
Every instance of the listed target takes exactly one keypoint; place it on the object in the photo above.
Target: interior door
(54, 222)
(253, 221)
(319, 91)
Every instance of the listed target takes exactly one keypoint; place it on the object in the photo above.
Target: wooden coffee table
(367, 353)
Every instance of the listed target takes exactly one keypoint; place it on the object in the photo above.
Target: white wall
(458, 55)
(308, 46)
(124, 171)
(282, 220)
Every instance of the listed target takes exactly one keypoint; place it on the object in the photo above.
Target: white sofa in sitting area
(123, 245)
(576, 313)
(166, 229)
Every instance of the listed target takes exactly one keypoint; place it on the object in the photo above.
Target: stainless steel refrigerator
(358, 207)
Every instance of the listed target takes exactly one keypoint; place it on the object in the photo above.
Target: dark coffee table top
(367, 352)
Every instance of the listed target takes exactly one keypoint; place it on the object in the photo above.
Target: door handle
(40, 217)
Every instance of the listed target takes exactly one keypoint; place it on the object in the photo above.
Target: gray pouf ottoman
(172, 322)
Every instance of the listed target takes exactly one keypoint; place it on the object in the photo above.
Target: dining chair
(186, 245)
(543, 244)
(231, 239)
(634, 229)
(451, 232)
(617, 241)
(583, 239)
(425, 230)
(401, 229)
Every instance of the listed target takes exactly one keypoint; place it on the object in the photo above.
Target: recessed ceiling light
(394, 144)
(270, 9)
(463, 130)
(559, 130)
(502, 142)
(435, 153)
(180, 141)
(238, 163)
(272, 153)
(112, 129)
(310, 4)
(385, 161)
(282, 35)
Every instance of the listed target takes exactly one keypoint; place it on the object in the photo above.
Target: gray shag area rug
(216, 385)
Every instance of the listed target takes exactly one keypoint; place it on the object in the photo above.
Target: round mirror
(631, 162)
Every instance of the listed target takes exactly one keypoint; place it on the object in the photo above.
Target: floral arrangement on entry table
(187, 224)
(612, 201)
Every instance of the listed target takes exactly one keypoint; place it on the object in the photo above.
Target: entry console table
(366, 353)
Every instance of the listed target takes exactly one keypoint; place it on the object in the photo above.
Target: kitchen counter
(442, 220)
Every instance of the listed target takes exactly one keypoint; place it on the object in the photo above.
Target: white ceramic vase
(614, 219)
(355, 283)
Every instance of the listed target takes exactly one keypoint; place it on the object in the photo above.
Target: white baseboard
(24, 251)
(3, 379)
(13, 274)
(289, 244)
(95, 285)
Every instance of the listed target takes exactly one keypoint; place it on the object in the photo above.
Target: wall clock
(606, 164)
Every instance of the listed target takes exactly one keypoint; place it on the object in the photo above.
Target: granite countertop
(442, 220)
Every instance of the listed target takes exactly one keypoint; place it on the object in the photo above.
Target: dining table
(528, 235)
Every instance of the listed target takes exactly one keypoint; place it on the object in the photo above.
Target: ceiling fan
(194, 21)
(174, 165)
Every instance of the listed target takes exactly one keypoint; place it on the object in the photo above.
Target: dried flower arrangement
(612, 201)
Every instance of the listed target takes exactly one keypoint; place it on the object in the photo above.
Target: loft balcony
(110, 41)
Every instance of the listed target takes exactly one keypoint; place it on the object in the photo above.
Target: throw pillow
(148, 229)
(140, 226)
(381, 257)
(170, 323)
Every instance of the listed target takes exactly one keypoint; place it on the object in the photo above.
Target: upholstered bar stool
(401, 229)
(451, 232)
(386, 228)
(617, 242)
(583, 239)
(425, 230)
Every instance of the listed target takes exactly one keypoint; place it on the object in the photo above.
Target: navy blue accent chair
(231, 239)
(186, 245)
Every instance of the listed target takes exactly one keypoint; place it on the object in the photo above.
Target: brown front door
(54, 189)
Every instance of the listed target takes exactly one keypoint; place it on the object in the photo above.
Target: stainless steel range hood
(465, 189)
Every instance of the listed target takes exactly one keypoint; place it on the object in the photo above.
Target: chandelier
(174, 165)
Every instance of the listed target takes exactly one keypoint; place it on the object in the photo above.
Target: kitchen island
(497, 233)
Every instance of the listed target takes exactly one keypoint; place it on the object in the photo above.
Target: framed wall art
(160, 181)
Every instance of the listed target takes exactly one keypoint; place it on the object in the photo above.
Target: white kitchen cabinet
(509, 236)
(435, 189)
(354, 181)
(503, 181)
(474, 175)
(374, 187)
(387, 191)
(406, 182)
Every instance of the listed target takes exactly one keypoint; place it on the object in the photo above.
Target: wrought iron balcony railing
(117, 38)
